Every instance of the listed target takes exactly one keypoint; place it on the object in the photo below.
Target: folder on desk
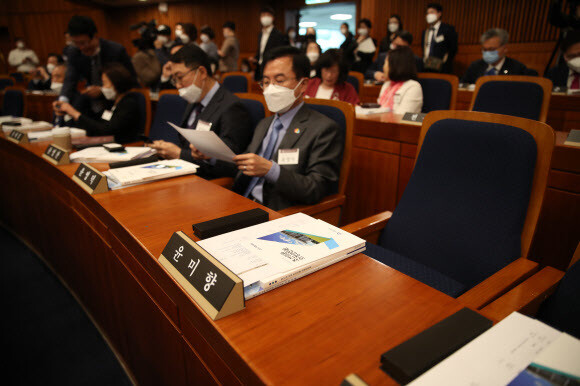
(139, 174)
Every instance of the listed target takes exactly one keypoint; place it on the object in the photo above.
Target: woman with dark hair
(330, 83)
(401, 93)
(120, 120)
(207, 44)
(312, 51)
(366, 47)
(395, 25)
(185, 33)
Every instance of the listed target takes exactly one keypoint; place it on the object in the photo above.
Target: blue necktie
(491, 71)
(267, 154)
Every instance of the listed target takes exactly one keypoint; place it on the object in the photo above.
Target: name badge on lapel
(107, 114)
(288, 156)
(203, 126)
(439, 38)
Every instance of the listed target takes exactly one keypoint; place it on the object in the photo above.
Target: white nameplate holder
(18, 137)
(90, 179)
(56, 155)
(216, 289)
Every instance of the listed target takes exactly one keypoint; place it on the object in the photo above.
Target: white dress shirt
(17, 56)
(430, 36)
(265, 36)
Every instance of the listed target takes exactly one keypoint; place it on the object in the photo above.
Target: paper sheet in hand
(207, 142)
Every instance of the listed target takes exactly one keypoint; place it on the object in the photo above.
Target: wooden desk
(563, 114)
(384, 152)
(315, 330)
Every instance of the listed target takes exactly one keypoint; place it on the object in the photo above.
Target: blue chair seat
(416, 270)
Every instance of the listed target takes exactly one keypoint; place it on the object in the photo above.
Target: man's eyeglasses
(265, 83)
(175, 79)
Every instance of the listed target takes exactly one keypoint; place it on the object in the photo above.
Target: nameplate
(90, 179)
(56, 155)
(19, 137)
(414, 117)
(217, 290)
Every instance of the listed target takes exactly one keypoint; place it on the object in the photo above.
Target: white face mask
(292, 35)
(163, 39)
(392, 46)
(56, 87)
(109, 93)
(191, 93)
(50, 67)
(431, 18)
(204, 38)
(574, 64)
(313, 56)
(363, 31)
(393, 27)
(178, 33)
(266, 21)
(279, 98)
(184, 38)
(20, 45)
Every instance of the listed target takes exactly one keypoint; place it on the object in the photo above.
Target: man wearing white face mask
(24, 59)
(294, 156)
(163, 43)
(268, 39)
(367, 46)
(210, 108)
(439, 41)
(42, 75)
(567, 74)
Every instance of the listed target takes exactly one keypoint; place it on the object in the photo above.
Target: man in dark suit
(294, 156)
(439, 41)
(349, 45)
(211, 107)
(402, 39)
(495, 62)
(567, 74)
(86, 61)
(268, 39)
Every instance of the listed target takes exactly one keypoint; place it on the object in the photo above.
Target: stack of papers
(139, 174)
(11, 118)
(100, 154)
(369, 111)
(26, 127)
(47, 134)
(271, 254)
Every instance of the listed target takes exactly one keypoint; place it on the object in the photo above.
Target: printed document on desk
(207, 142)
(139, 174)
(100, 154)
(271, 254)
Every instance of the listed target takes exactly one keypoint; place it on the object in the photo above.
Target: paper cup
(61, 137)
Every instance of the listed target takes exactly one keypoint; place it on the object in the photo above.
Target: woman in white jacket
(401, 93)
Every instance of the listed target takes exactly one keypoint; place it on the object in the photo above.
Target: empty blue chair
(439, 91)
(356, 79)
(5, 82)
(255, 109)
(236, 83)
(464, 213)
(170, 108)
(141, 96)
(519, 96)
(331, 112)
(14, 102)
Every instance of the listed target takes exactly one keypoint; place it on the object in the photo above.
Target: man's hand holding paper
(206, 144)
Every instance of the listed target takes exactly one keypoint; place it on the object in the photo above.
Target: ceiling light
(306, 24)
(341, 16)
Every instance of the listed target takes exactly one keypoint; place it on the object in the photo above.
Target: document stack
(271, 254)
(101, 154)
(140, 174)
(25, 125)
(47, 134)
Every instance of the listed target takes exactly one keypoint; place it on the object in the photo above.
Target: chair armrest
(327, 203)
(526, 297)
(370, 227)
(226, 182)
(499, 283)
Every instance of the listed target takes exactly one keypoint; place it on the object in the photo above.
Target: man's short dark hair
(330, 58)
(405, 35)
(206, 30)
(164, 30)
(58, 57)
(402, 66)
(229, 24)
(269, 10)
(366, 22)
(435, 6)
(121, 78)
(346, 25)
(300, 63)
(192, 57)
(572, 37)
(81, 25)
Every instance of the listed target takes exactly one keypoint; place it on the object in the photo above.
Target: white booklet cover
(138, 174)
(100, 154)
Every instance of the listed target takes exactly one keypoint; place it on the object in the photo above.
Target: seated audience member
(22, 58)
(394, 25)
(42, 75)
(230, 51)
(292, 37)
(330, 83)
(401, 92)
(145, 61)
(313, 52)
(207, 36)
(120, 120)
(567, 74)
(163, 43)
(402, 39)
(313, 172)
(185, 33)
(165, 80)
(86, 61)
(348, 46)
(494, 62)
(57, 78)
(210, 107)
(366, 47)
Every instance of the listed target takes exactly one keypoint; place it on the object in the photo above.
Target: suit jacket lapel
(259, 134)
(296, 128)
(212, 106)
(186, 115)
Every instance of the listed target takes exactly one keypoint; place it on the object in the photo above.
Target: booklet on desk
(271, 254)
(100, 154)
(139, 174)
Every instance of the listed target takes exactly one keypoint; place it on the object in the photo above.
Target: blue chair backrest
(235, 83)
(436, 94)
(331, 112)
(6, 82)
(13, 103)
(170, 108)
(142, 103)
(562, 309)
(463, 210)
(519, 99)
(255, 109)
(354, 81)
(18, 76)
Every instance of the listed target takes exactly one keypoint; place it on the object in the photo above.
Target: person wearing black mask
(439, 41)
(395, 25)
